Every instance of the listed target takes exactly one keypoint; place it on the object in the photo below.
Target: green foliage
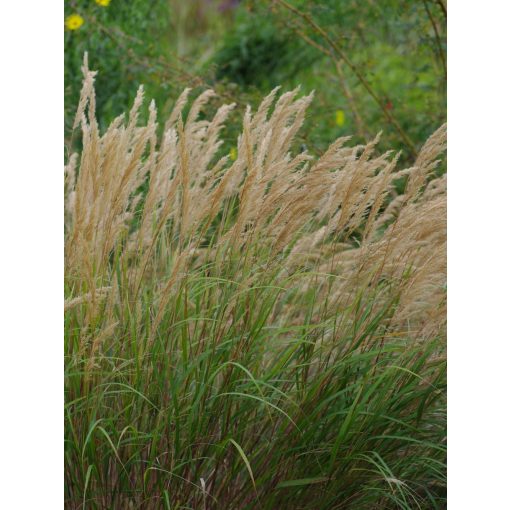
(256, 53)
(225, 410)
(397, 46)
(124, 40)
(392, 44)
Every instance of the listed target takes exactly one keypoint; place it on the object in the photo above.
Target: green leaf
(245, 460)
(302, 481)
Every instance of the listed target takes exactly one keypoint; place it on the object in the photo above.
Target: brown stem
(443, 6)
(438, 38)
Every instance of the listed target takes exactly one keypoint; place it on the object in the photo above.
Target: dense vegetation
(255, 303)
(381, 64)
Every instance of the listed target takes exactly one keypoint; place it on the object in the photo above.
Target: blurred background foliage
(374, 64)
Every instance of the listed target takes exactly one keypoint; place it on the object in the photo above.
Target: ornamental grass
(262, 332)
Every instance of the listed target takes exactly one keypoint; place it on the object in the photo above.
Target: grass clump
(266, 332)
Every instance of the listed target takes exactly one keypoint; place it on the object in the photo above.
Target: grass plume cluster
(260, 333)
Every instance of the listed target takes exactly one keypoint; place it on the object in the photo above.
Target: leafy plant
(264, 332)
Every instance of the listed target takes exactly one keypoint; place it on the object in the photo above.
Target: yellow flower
(74, 22)
(233, 153)
(340, 118)
(103, 3)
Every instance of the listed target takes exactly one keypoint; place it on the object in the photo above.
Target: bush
(260, 330)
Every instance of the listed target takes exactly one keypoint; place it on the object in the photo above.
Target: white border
(478, 254)
(31, 265)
